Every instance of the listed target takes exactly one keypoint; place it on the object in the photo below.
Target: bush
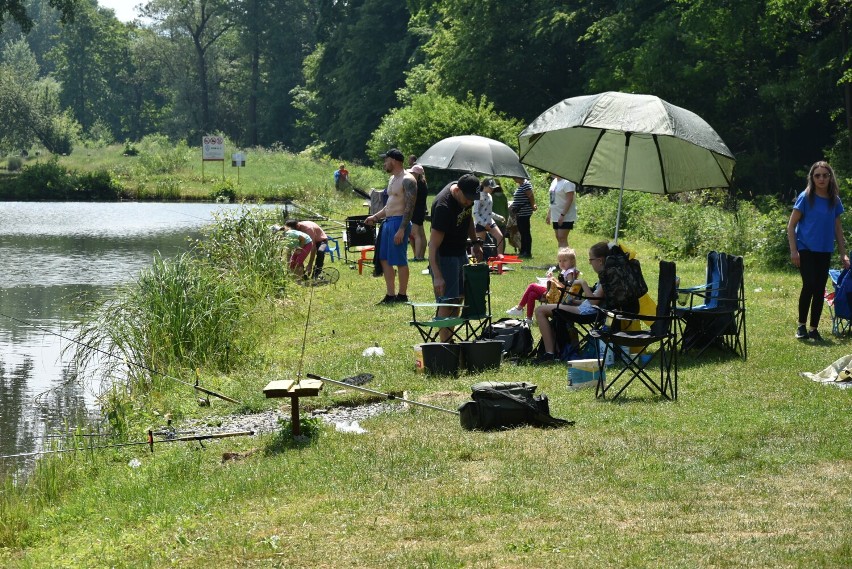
(45, 181)
(159, 156)
(224, 192)
(14, 164)
(689, 225)
(97, 185)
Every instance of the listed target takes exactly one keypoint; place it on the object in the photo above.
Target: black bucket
(440, 358)
(358, 233)
(482, 355)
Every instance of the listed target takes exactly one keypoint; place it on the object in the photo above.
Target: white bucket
(418, 358)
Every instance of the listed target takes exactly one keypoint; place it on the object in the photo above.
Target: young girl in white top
(567, 261)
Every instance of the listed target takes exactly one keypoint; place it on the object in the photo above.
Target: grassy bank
(749, 467)
(159, 170)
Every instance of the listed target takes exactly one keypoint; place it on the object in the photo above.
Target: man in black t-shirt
(452, 225)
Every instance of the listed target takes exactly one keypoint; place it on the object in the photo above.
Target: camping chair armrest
(702, 292)
(436, 305)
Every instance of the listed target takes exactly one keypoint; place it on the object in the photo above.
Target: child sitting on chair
(567, 261)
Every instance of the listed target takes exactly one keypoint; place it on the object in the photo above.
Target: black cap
(469, 185)
(393, 153)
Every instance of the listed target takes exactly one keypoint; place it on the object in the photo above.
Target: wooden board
(289, 388)
(279, 388)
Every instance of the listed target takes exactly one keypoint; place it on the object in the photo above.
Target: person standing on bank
(452, 226)
(563, 209)
(397, 213)
(523, 205)
(813, 227)
(419, 216)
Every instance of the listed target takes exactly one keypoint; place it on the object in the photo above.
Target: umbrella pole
(621, 192)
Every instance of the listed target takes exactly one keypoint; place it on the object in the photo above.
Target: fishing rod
(195, 386)
(150, 442)
(385, 395)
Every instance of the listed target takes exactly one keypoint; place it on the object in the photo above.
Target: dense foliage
(344, 78)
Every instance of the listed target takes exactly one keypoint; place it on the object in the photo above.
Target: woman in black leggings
(813, 227)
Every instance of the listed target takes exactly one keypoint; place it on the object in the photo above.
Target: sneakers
(803, 334)
(401, 298)
(545, 359)
(388, 299)
(515, 312)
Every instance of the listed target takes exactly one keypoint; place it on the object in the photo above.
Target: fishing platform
(294, 390)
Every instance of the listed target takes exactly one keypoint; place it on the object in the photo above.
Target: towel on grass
(838, 374)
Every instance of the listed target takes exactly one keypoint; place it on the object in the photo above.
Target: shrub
(14, 163)
(98, 185)
(45, 181)
(224, 192)
(159, 156)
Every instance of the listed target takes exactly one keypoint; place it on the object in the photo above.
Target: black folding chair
(638, 364)
(715, 313)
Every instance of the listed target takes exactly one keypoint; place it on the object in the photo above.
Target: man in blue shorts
(452, 225)
(393, 249)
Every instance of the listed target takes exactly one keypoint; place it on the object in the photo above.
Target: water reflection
(56, 256)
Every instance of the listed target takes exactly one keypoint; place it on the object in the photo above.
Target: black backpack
(622, 281)
(498, 405)
(515, 334)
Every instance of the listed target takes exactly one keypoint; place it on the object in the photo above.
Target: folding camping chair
(714, 313)
(839, 301)
(662, 334)
(475, 313)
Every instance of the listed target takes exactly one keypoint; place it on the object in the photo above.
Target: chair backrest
(724, 281)
(477, 291)
(666, 297)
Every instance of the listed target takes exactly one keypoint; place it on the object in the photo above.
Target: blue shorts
(395, 255)
(451, 269)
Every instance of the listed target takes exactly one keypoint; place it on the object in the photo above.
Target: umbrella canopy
(626, 141)
(472, 153)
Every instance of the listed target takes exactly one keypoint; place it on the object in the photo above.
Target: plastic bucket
(440, 358)
(418, 358)
(482, 355)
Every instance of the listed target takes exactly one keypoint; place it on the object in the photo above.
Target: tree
(359, 69)
(202, 23)
(16, 9)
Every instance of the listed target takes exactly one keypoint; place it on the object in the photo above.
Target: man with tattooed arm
(393, 248)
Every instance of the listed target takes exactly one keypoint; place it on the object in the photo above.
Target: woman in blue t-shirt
(813, 227)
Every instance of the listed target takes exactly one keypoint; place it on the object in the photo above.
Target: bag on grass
(515, 334)
(498, 405)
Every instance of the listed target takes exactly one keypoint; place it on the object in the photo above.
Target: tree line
(345, 77)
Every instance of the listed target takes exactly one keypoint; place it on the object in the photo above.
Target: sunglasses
(822, 175)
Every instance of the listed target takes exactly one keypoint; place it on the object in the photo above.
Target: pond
(55, 255)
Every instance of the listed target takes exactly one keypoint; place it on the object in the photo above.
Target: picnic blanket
(838, 374)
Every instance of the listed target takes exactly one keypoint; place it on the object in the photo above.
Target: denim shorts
(451, 269)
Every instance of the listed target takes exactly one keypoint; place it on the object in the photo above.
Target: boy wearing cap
(393, 249)
(452, 225)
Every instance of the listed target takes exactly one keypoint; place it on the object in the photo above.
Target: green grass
(270, 175)
(750, 467)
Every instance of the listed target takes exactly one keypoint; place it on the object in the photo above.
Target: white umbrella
(626, 141)
(472, 153)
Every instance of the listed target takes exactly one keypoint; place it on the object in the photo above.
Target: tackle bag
(498, 405)
(515, 334)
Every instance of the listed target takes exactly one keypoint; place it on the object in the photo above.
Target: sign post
(212, 150)
(238, 160)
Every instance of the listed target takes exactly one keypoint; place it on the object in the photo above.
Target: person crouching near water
(319, 243)
(299, 244)
(566, 259)
(397, 213)
(575, 310)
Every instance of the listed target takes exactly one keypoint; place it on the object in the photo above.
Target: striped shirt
(520, 202)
